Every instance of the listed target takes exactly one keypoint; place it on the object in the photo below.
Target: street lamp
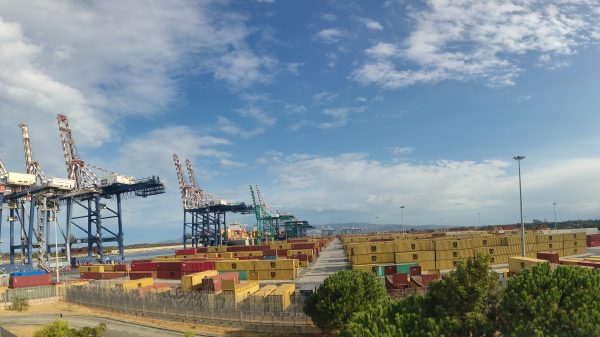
(554, 204)
(402, 222)
(478, 219)
(518, 159)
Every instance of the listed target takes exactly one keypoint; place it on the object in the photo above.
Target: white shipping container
(117, 179)
(20, 179)
(61, 183)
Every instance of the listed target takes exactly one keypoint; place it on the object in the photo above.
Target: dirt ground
(73, 309)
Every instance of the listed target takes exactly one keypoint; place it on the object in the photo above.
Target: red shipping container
(248, 257)
(400, 278)
(426, 279)
(197, 266)
(187, 251)
(143, 266)
(202, 250)
(212, 284)
(169, 274)
(548, 256)
(90, 275)
(37, 280)
(589, 264)
(389, 270)
(282, 252)
(122, 267)
(231, 275)
(270, 252)
(308, 245)
(140, 274)
(413, 271)
(112, 275)
(168, 266)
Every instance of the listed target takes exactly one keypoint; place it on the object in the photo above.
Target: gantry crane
(273, 224)
(89, 190)
(204, 216)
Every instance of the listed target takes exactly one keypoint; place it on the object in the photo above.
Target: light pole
(402, 222)
(376, 225)
(554, 204)
(478, 219)
(518, 159)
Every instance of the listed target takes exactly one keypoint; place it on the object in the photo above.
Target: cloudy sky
(339, 110)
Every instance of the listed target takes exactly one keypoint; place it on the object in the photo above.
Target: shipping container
(415, 256)
(194, 281)
(280, 298)
(518, 263)
(136, 275)
(34, 280)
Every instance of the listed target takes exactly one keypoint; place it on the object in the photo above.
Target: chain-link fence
(198, 307)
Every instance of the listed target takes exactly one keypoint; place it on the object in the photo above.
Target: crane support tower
(87, 206)
(204, 215)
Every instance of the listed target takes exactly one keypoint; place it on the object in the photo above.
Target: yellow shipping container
(253, 275)
(499, 259)
(220, 255)
(249, 253)
(234, 265)
(217, 249)
(415, 256)
(192, 281)
(279, 274)
(373, 258)
(518, 263)
(373, 248)
(291, 252)
(569, 261)
(369, 268)
(241, 292)
(280, 299)
(574, 251)
(280, 245)
(446, 264)
(134, 284)
(412, 246)
(257, 300)
(486, 241)
(427, 265)
(452, 244)
(92, 269)
(453, 254)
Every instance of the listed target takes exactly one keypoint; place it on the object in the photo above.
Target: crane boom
(33, 167)
(77, 169)
(190, 171)
(3, 170)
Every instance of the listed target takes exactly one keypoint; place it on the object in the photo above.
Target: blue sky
(340, 110)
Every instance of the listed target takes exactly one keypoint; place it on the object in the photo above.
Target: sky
(340, 111)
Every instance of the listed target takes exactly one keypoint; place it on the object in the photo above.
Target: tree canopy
(60, 328)
(542, 302)
(341, 295)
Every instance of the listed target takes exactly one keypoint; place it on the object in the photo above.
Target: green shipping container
(243, 273)
(405, 267)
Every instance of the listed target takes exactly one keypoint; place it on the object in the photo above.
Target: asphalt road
(331, 260)
(114, 328)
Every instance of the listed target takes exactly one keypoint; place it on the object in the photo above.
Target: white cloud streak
(482, 41)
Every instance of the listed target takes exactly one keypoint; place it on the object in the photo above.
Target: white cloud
(330, 35)
(324, 97)
(383, 50)
(481, 41)
(232, 129)
(353, 184)
(371, 24)
(99, 63)
(258, 115)
(400, 150)
(296, 109)
(328, 17)
(340, 116)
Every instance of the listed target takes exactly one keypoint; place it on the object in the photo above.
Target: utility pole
(518, 159)
(554, 204)
(402, 221)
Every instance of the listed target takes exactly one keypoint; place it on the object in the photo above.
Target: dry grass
(23, 330)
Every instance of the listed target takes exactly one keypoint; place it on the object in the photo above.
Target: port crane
(273, 224)
(204, 215)
(91, 195)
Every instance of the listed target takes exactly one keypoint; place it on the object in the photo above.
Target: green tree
(542, 302)
(55, 329)
(464, 303)
(61, 328)
(19, 303)
(341, 295)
